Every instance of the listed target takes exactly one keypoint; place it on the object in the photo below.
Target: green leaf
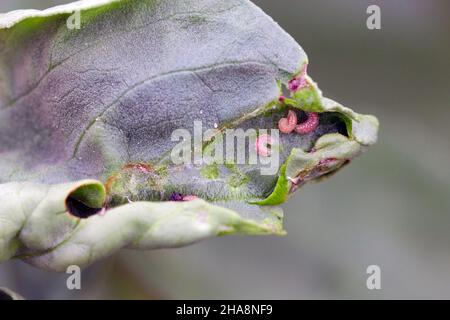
(87, 116)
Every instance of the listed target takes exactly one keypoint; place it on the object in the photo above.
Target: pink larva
(190, 198)
(309, 125)
(262, 143)
(288, 124)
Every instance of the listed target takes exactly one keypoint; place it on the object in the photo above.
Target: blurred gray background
(390, 208)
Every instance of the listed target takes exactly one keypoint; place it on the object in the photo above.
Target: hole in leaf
(86, 200)
(342, 128)
(79, 209)
(341, 124)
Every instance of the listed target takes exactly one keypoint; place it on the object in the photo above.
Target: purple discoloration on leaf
(327, 161)
(299, 82)
(176, 197)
